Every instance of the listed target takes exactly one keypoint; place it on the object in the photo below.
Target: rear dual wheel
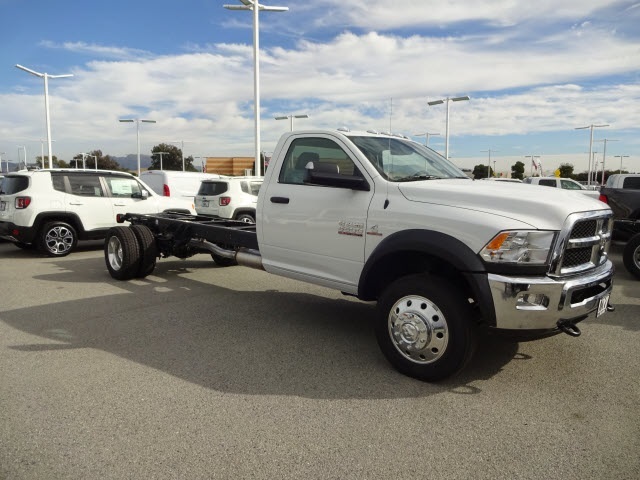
(130, 252)
(631, 255)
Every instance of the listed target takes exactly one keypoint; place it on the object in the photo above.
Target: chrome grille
(583, 243)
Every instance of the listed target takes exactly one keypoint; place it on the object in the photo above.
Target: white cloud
(121, 53)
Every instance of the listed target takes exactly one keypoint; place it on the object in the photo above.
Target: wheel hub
(418, 329)
(114, 253)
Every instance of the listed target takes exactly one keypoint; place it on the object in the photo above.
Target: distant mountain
(130, 162)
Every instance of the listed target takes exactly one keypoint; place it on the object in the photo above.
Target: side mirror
(143, 195)
(354, 182)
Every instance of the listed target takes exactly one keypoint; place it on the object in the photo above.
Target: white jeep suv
(233, 198)
(53, 209)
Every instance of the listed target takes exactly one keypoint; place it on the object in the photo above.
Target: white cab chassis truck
(385, 219)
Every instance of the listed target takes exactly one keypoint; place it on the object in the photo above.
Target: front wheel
(57, 239)
(631, 255)
(425, 327)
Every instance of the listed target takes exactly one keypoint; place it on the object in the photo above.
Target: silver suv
(53, 209)
(233, 198)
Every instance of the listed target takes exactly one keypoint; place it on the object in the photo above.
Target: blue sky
(534, 72)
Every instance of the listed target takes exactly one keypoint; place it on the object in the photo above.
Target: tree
(482, 171)
(54, 160)
(171, 159)
(566, 170)
(517, 170)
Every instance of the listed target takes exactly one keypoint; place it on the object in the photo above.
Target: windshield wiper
(418, 176)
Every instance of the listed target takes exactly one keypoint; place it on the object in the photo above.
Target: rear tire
(57, 239)
(122, 253)
(631, 255)
(425, 327)
(148, 250)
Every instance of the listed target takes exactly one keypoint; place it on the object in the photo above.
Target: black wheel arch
(240, 211)
(416, 251)
(53, 216)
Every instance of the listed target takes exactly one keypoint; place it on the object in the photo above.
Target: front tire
(425, 327)
(631, 255)
(57, 239)
(122, 253)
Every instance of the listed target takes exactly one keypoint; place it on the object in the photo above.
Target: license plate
(602, 305)
(205, 203)
(3, 206)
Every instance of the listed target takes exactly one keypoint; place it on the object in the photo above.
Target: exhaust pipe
(246, 257)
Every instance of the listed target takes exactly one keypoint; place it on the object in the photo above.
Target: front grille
(584, 229)
(576, 256)
(583, 243)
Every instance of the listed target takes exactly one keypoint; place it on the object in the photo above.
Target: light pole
(291, 117)
(604, 154)
(46, 77)
(256, 8)
(95, 159)
(616, 156)
(181, 143)
(590, 127)
(489, 165)
(160, 153)
(137, 122)
(3, 153)
(446, 135)
(426, 135)
(25, 156)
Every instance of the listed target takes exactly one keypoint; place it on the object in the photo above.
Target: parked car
(233, 198)
(53, 209)
(172, 183)
(564, 183)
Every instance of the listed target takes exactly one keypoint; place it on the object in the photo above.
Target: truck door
(126, 196)
(312, 232)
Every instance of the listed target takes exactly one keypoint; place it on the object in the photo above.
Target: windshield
(400, 160)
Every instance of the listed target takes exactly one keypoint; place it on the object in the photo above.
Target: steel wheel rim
(114, 253)
(59, 240)
(418, 329)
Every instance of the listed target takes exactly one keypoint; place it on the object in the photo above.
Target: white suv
(53, 209)
(234, 198)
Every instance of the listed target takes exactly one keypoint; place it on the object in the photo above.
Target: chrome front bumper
(538, 303)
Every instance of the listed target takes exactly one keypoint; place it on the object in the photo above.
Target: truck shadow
(250, 342)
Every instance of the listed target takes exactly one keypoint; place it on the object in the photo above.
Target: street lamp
(591, 127)
(137, 122)
(160, 153)
(604, 154)
(3, 153)
(426, 135)
(447, 101)
(46, 103)
(256, 8)
(95, 159)
(25, 156)
(494, 163)
(181, 143)
(291, 117)
(616, 156)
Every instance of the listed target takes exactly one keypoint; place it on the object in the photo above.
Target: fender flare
(437, 245)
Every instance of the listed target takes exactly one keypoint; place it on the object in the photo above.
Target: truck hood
(543, 208)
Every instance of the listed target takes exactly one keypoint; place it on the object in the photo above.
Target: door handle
(279, 200)
(76, 203)
(120, 204)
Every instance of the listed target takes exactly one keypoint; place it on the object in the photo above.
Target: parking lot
(205, 372)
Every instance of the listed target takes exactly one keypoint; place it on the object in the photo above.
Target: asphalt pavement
(201, 372)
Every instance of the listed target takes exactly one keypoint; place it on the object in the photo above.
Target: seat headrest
(305, 157)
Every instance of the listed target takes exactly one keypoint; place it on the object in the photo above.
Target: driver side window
(321, 154)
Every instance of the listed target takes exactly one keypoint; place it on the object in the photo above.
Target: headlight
(519, 247)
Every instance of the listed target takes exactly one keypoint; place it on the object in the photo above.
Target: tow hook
(569, 328)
